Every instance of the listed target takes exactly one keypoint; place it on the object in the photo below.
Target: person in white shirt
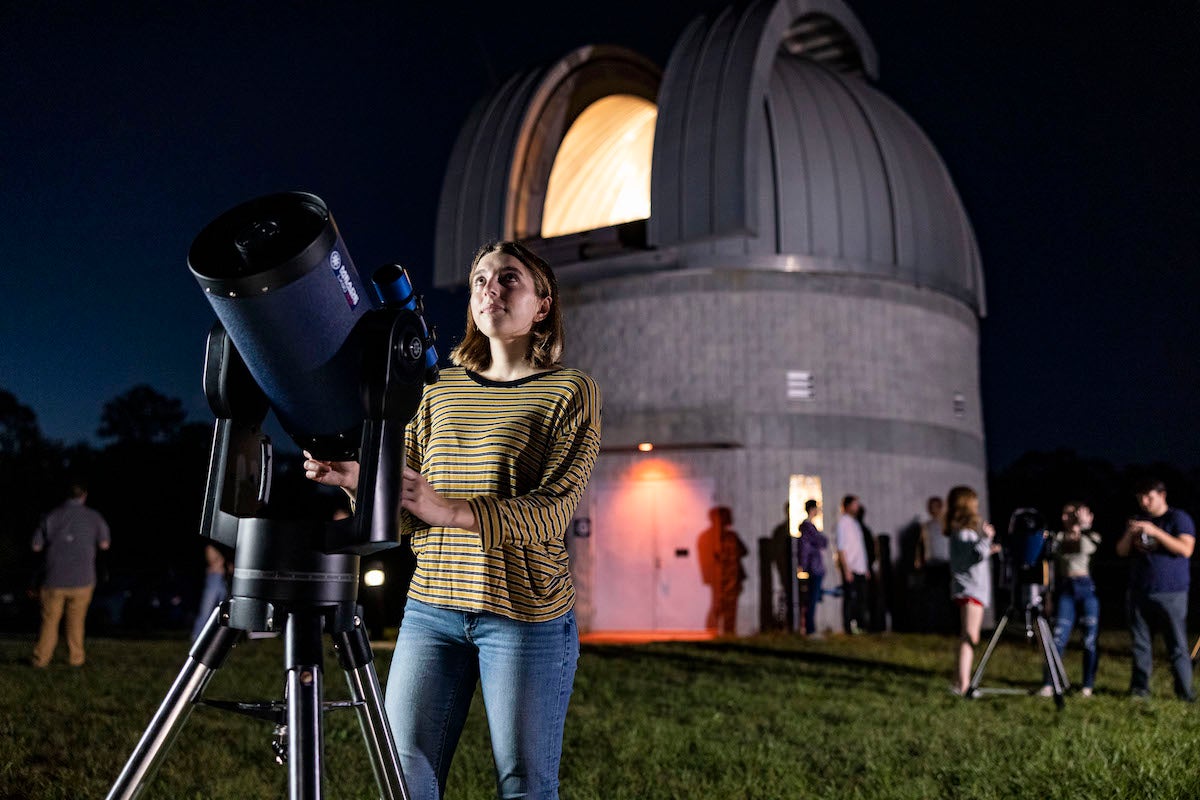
(852, 560)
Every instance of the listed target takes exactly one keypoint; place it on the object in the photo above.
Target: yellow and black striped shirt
(520, 453)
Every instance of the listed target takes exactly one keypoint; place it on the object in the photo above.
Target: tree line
(148, 480)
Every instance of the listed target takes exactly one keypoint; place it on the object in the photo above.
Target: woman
(1075, 594)
(499, 453)
(971, 573)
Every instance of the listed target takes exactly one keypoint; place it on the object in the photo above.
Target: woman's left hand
(423, 501)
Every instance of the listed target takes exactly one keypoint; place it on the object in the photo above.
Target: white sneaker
(1046, 691)
(1085, 691)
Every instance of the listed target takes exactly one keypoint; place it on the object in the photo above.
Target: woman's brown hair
(546, 340)
(962, 510)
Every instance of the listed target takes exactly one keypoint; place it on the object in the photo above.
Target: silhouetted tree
(141, 416)
(18, 426)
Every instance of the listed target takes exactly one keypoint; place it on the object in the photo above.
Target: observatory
(768, 271)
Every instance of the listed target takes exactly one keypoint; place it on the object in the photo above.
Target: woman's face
(504, 299)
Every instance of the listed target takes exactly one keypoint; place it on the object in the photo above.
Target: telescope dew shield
(278, 276)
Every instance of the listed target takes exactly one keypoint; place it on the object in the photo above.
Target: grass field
(761, 717)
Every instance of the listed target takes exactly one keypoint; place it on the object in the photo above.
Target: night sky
(1072, 136)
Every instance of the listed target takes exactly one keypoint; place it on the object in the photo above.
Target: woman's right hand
(342, 474)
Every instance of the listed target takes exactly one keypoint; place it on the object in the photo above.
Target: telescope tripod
(278, 584)
(1036, 627)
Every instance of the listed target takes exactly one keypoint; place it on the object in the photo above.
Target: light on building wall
(645, 447)
(801, 489)
(601, 174)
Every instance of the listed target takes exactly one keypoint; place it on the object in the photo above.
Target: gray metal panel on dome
(935, 244)
(844, 177)
(670, 132)
(475, 189)
(709, 125)
(833, 179)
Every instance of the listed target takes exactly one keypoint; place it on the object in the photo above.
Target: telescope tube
(279, 277)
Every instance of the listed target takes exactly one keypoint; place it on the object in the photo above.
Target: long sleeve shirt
(521, 454)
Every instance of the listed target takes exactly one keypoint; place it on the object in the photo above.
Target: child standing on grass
(971, 574)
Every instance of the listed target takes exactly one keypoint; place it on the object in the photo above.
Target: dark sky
(1071, 134)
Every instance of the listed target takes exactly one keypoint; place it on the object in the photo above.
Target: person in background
(731, 574)
(971, 547)
(936, 612)
(1075, 592)
(852, 560)
(1159, 541)
(217, 568)
(811, 560)
(69, 536)
(934, 547)
(499, 454)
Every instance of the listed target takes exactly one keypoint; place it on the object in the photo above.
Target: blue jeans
(1167, 612)
(526, 669)
(814, 597)
(211, 597)
(1077, 599)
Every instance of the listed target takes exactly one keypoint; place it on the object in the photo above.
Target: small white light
(645, 447)
(373, 577)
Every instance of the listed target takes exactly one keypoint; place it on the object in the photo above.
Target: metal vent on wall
(820, 38)
(800, 385)
(960, 405)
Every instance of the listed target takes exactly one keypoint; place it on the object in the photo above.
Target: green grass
(763, 717)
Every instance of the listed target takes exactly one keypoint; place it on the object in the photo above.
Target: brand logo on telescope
(343, 277)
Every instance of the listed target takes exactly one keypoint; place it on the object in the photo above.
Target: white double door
(647, 568)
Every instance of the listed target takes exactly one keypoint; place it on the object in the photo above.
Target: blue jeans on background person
(1077, 599)
(210, 597)
(1167, 613)
(810, 608)
(526, 670)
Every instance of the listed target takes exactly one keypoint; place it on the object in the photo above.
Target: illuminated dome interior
(601, 172)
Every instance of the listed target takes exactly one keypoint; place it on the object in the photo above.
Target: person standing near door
(852, 560)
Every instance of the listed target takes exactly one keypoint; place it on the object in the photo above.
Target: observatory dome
(775, 283)
(770, 143)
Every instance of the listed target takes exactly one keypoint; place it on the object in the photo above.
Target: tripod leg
(305, 688)
(1058, 674)
(206, 656)
(354, 654)
(1196, 650)
(987, 654)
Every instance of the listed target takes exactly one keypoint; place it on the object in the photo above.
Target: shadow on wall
(720, 552)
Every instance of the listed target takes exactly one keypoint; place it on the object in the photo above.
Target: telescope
(1026, 556)
(343, 364)
(1025, 566)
